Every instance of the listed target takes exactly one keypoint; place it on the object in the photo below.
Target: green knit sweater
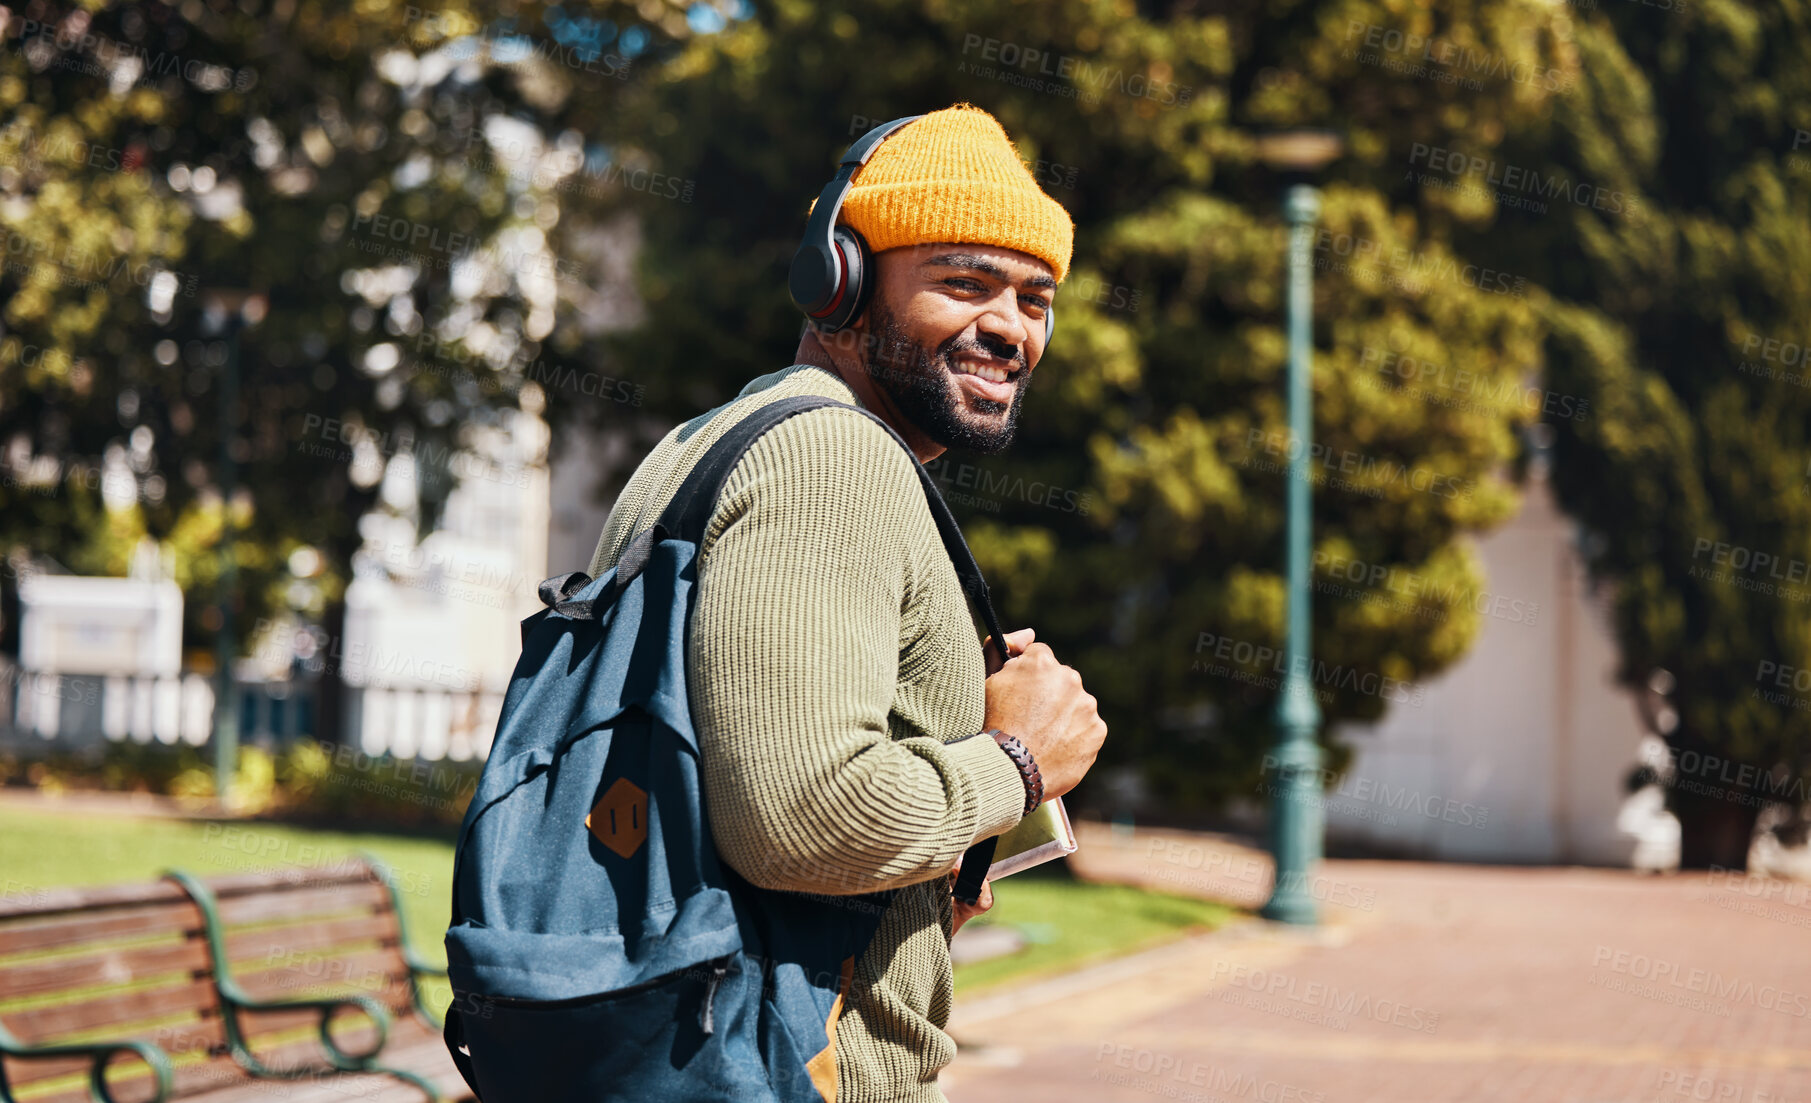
(835, 673)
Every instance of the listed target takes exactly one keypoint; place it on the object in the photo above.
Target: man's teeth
(988, 372)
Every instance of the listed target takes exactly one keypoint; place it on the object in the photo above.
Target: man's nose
(1007, 328)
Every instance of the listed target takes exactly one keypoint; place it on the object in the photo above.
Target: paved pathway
(1427, 983)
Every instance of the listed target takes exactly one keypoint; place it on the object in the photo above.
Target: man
(841, 698)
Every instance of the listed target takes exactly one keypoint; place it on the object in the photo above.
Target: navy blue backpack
(599, 950)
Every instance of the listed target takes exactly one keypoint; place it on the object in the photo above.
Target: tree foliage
(374, 171)
(1589, 216)
(1158, 411)
(1684, 326)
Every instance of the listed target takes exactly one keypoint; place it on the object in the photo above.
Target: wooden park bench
(290, 985)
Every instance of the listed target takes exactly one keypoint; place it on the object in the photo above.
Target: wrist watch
(1028, 768)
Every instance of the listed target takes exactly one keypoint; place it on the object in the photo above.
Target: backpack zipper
(718, 967)
(706, 1022)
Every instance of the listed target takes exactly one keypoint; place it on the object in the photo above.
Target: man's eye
(964, 283)
(1039, 304)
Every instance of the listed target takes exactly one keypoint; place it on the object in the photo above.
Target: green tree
(341, 162)
(1682, 319)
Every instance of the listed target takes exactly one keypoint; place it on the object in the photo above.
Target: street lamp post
(227, 313)
(1295, 819)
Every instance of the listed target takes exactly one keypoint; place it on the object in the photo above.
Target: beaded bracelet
(1028, 768)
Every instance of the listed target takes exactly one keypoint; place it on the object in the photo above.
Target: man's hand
(1015, 643)
(966, 912)
(1042, 702)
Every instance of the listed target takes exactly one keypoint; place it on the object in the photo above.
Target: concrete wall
(585, 455)
(1518, 752)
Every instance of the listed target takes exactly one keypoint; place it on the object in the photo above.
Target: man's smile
(991, 381)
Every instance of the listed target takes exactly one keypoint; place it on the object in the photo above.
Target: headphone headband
(864, 146)
(819, 279)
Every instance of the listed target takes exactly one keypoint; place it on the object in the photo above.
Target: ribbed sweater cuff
(997, 782)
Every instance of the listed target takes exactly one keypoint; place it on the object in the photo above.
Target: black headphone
(829, 273)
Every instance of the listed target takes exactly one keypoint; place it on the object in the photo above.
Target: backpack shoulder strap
(687, 515)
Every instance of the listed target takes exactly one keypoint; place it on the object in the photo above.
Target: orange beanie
(954, 176)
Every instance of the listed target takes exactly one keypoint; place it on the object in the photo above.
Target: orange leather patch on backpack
(619, 819)
(822, 1068)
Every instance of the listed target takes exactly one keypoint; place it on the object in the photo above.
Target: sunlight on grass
(1066, 923)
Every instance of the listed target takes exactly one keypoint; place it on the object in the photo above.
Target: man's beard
(922, 386)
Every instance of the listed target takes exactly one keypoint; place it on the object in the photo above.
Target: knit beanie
(954, 176)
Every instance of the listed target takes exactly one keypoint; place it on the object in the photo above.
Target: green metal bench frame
(235, 999)
(416, 964)
(100, 1052)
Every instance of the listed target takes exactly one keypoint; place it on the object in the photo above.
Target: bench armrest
(341, 1060)
(418, 969)
(100, 1053)
(235, 999)
(237, 1002)
(418, 966)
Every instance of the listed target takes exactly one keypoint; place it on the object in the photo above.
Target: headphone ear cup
(1049, 327)
(858, 286)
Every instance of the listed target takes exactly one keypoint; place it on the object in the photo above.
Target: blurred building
(103, 657)
(577, 514)
(1520, 751)
(433, 626)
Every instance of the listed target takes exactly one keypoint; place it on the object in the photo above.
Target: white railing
(47, 711)
(431, 724)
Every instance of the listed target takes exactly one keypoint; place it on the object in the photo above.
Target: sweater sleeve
(793, 660)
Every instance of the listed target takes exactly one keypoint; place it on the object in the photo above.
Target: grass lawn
(1067, 923)
(1070, 923)
(48, 849)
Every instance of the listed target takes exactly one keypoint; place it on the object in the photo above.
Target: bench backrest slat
(254, 944)
(349, 871)
(117, 961)
(43, 902)
(309, 932)
(367, 972)
(293, 905)
(113, 1008)
(112, 968)
(72, 928)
